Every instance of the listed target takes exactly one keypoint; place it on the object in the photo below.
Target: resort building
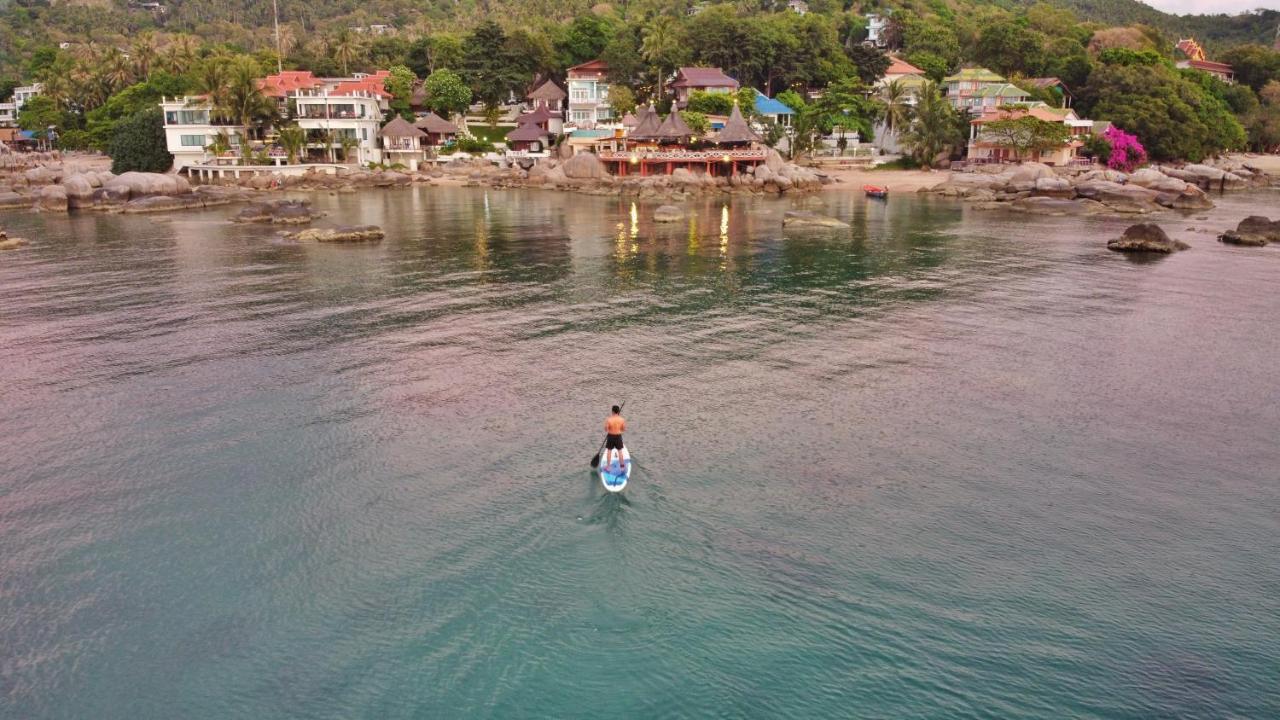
(773, 109)
(589, 95)
(1193, 57)
(661, 146)
(528, 137)
(710, 80)
(341, 116)
(980, 90)
(9, 110)
(1055, 87)
(402, 143)
(799, 7)
(985, 149)
(876, 25)
(439, 131)
(548, 95)
(899, 69)
(544, 118)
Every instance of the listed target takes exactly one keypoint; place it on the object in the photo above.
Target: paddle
(595, 459)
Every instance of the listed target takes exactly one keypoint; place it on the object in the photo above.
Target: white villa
(9, 110)
(589, 95)
(328, 109)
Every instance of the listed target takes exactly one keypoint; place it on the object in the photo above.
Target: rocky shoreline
(1040, 189)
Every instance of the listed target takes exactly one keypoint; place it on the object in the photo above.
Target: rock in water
(668, 214)
(52, 198)
(1146, 237)
(584, 166)
(345, 234)
(1254, 230)
(796, 218)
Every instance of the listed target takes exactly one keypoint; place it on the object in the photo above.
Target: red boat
(876, 191)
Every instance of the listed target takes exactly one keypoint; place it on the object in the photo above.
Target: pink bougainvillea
(1127, 154)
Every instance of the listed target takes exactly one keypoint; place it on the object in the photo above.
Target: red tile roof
(898, 66)
(1211, 66)
(286, 82)
(700, 77)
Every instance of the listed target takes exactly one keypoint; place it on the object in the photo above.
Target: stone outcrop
(132, 185)
(584, 166)
(1039, 205)
(668, 214)
(51, 198)
(1146, 237)
(11, 243)
(1254, 230)
(14, 200)
(280, 212)
(797, 218)
(344, 234)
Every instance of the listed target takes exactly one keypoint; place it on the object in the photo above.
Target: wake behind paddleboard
(615, 469)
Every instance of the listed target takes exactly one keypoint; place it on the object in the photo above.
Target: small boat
(875, 191)
(615, 469)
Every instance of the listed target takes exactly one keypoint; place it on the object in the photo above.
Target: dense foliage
(138, 144)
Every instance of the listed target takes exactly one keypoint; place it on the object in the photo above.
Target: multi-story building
(984, 148)
(876, 25)
(1193, 57)
(712, 80)
(589, 95)
(341, 116)
(979, 90)
(9, 110)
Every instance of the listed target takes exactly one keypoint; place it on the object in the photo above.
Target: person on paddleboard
(614, 426)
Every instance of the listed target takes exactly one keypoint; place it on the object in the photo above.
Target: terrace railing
(683, 155)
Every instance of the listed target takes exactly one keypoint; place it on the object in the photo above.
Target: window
(581, 115)
(193, 141)
(364, 134)
(604, 113)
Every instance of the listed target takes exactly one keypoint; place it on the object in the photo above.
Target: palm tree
(344, 48)
(661, 41)
(116, 72)
(293, 139)
(897, 111)
(936, 128)
(348, 144)
(220, 144)
(143, 54)
(243, 100)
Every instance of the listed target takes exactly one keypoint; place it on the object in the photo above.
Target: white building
(876, 25)
(589, 95)
(9, 110)
(330, 110)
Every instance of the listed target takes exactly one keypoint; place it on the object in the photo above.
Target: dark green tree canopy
(139, 144)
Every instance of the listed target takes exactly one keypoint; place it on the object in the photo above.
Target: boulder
(42, 175)
(797, 218)
(668, 214)
(344, 234)
(52, 198)
(1030, 172)
(1145, 237)
(1155, 180)
(773, 161)
(79, 190)
(584, 166)
(1190, 198)
(1104, 174)
(1041, 205)
(1119, 198)
(162, 203)
(14, 200)
(1054, 187)
(8, 243)
(1254, 230)
(132, 185)
(282, 212)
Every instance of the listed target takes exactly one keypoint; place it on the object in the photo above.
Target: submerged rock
(797, 218)
(668, 214)
(344, 234)
(1254, 230)
(283, 212)
(1146, 237)
(8, 243)
(1056, 206)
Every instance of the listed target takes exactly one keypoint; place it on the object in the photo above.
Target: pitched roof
(1006, 90)
(527, 133)
(282, 84)
(736, 129)
(433, 123)
(974, 75)
(673, 128)
(700, 77)
(371, 85)
(1039, 112)
(548, 91)
(898, 66)
(771, 106)
(542, 114)
(647, 124)
(1210, 66)
(590, 66)
(400, 128)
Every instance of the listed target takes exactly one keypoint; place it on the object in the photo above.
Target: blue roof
(28, 134)
(769, 106)
(592, 133)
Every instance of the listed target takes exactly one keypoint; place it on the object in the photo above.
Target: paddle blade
(595, 460)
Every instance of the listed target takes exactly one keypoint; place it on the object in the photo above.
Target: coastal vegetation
(816, 62)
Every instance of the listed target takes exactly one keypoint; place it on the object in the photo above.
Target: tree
(663, 47)
(621, 100)
(242, 100)
(696, 121)
(344, 48)
(871, 62)
(584, 40)
(139, 144)
(441, 51)
(348, 143)
(293, 139)
(935, 66)
(1008, 47)
(447, 94)
(1254, 65)
(709, 103)
(39, 113)
(101, 121)
(936, 128)
(1263, 124)
(1025, 134)
(400, 84)
(897, 109)
(488, 65)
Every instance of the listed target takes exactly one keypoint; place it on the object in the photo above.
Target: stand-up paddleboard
(615, 469)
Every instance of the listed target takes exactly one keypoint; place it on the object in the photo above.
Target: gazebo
(646, 125)
(736, 131)
(402, 142)
(655, 148)
(549, 121)
(528, 137)
(673, 130)
(439, 131)
(548, 95)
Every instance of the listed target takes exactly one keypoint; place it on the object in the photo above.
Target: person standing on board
(614, 426)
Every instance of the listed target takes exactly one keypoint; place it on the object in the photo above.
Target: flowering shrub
(1127, 154)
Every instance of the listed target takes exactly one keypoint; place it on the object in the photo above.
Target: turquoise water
(945, 465)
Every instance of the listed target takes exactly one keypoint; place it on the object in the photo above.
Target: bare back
(615, 425)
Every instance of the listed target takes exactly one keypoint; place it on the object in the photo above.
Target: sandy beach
(895, 180)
